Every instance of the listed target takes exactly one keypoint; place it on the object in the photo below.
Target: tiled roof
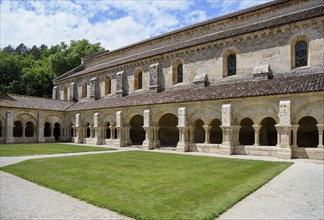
(277, 21)
(29, 102)
(253, 88)
(200, 24)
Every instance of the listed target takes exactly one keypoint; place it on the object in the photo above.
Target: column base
(226, 150)
(148, 145)
(41, 140)
(284, 153)
(182, 147)
(9, 141)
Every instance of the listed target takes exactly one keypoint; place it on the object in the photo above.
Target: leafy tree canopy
(30, 71)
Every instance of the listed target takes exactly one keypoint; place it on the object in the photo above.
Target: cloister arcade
(201, 128)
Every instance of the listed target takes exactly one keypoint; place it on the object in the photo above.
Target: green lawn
(44, 148)
(149, 185)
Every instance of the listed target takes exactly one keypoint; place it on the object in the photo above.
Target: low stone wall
(256, 150)
(308, 153)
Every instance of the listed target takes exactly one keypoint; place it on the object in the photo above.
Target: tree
(31, 71)
(69, 57)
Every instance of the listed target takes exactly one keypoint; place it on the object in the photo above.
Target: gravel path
(297, 193)
(23, 200)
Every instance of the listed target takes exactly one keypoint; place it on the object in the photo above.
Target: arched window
(29, 130)
(84, 90)
(18, 129)
(301, 54)
(107, 86)
(177, 72)
(138, 80)
(180, 73)
(231, 65)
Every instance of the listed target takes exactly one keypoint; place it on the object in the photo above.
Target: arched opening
(246, 135)
(29, 130)
(168, 132)
(108, 131)
(137, 133)
(71, 130)
(138, 80)
(301, 55)
(268, 132)
(231, 65)
(84, 90)
(18, 129)
(177, 72)
(307, 134)
(88, 131)
(199, 134)
(57, 131)
(107, 86)
(216, 132)
(47, 129)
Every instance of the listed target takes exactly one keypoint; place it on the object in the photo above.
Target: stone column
(320, 128)
(182, 145)
(24, 126)
(149, 131)
(122, 131)
(97, 128)
(41, 123)
(78, 130)
(236, 134)
(284, 130)
(9, 127)
(112, 132)
(156, 141)
(256, 134)
(192, 134)
(294, 129)
(207, 129)
(227, 146)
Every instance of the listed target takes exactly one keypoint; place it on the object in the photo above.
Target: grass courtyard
(150, 185)
(44, 148)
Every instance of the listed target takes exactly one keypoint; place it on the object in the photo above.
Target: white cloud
(113, 23)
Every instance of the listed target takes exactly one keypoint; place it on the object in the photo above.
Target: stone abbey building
(250, 82)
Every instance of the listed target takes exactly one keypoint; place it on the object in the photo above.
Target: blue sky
(113, 23)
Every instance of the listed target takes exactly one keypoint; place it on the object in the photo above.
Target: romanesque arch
(216, 133)
(47, 129)
(246, 135)
(18, 129)
(137, 133)
(168, 132)
(57, 131)
(268, 132)
(29, 129)
(307, 134)
(199, 133)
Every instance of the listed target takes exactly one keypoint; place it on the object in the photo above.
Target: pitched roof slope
(257, 26)
(253, 88)
(29, 102)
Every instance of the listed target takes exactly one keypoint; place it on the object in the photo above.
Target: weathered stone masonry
(250, 82)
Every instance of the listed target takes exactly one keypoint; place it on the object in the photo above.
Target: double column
(184, 129)
(151, 132)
